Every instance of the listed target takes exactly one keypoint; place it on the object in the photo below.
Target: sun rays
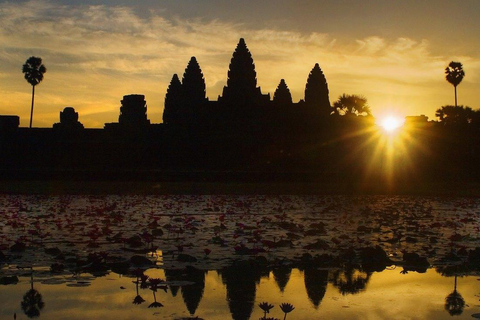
(389, 148)
(391, 124)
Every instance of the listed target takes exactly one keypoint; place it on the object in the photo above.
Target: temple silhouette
(244, 134)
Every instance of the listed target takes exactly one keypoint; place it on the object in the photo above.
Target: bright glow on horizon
(391, 123)
(96, 54)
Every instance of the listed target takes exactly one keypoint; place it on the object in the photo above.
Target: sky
(96, 51)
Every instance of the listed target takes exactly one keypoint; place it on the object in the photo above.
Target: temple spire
(316, 91)
(282, 96)
(193, 83)
(173, 101)
(242, 79)
(241, 73)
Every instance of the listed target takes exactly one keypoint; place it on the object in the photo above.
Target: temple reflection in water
(212, 256)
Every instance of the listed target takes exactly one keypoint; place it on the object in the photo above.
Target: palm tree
(454, 74)
(33, 70)
(456, 115)
(32, 302)
(350, 280)
(454, 302)
(351, 105)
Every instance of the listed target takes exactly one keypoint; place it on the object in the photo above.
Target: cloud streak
(95, 54)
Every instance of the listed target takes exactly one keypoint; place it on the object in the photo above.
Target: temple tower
(282, 96)
(173, 101)
(316, 92)
(241, 88)
(133, 112)
(193, 84)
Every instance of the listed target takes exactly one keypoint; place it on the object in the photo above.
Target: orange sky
(392, 52)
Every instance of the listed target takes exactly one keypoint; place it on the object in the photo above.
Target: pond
(232, 257)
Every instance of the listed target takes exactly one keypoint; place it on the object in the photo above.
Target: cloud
(371, 45)
(95, 54)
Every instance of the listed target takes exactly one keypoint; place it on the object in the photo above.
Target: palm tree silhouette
(33, 70)
(350, 280)
(351, 105)
(454, 302)
(454, 74)
(32, 301)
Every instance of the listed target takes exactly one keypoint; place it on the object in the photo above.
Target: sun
(390, 124)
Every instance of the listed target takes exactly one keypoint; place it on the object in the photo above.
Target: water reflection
(32, 302)
(351, 280)
(281, 275)
(454, 302)
(154, 284)
(241, 279)
(242, 282)
(173, 276)
(191, 283)
(316, 281)
(286, 308)
(222, 253)
(193, 293)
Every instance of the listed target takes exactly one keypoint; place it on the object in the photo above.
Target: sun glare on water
(391, 124)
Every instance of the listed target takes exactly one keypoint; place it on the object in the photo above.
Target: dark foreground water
(219, 257)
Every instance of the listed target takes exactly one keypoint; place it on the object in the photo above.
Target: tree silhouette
(32, 302)
(454, 302)
(350, 280)
(33, 70)
(316, 91)
(351, 105)
(282, 96)
(454, 74)
(173, 101)
(456, 115)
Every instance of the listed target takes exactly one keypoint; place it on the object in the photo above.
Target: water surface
(219, 257)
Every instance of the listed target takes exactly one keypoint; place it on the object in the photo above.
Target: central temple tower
(241, 88)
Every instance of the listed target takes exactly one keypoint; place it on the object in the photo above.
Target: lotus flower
(138, 300)
(155, 305)
(265, 306)
(286, 308)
